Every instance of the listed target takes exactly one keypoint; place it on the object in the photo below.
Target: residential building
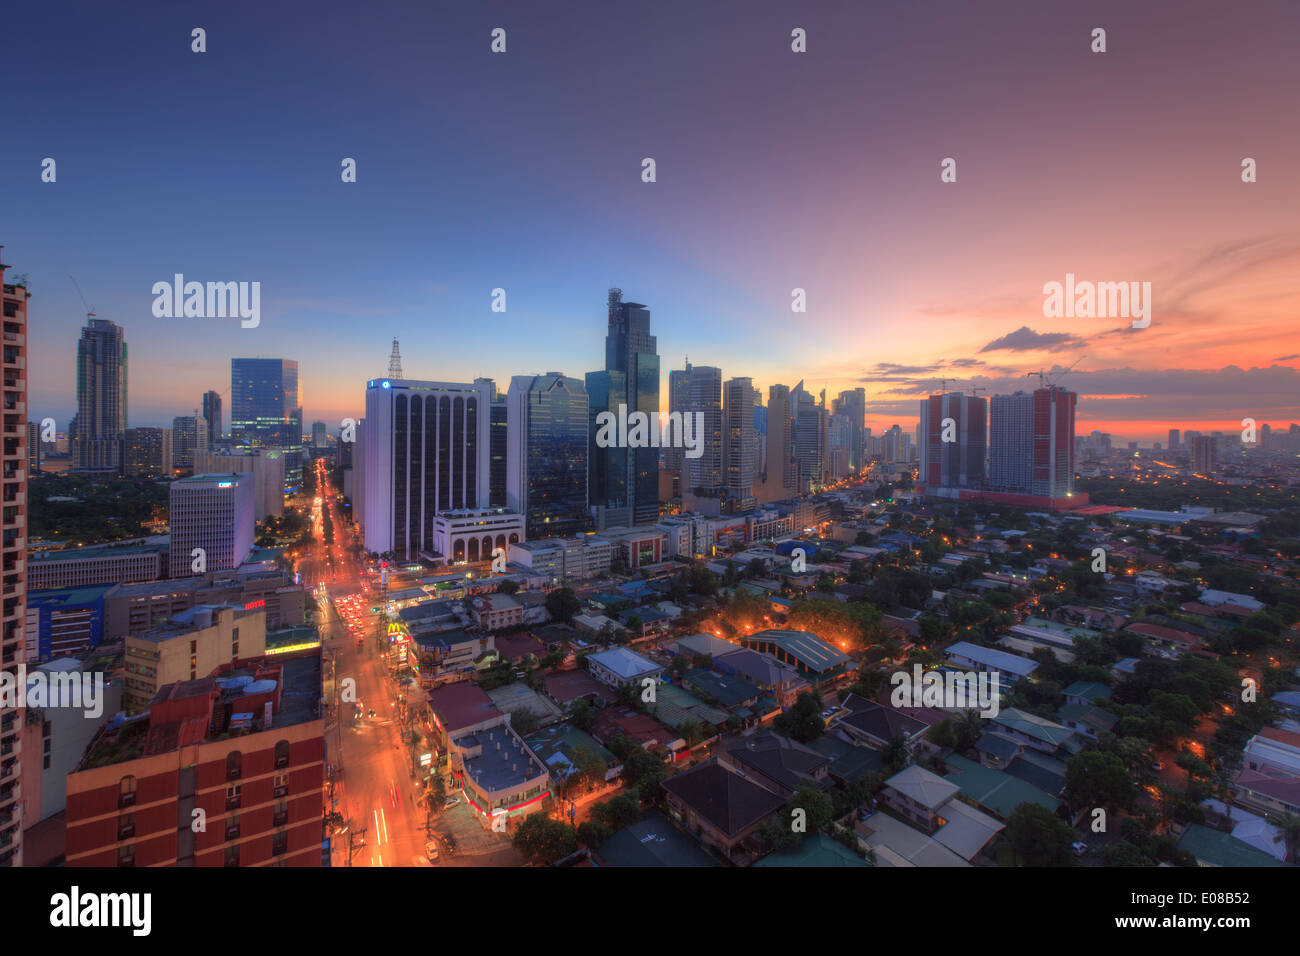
(101, 396)
(194, 643)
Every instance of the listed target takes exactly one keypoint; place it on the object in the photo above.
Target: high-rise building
(546, 454)
(740, 468)
(957, 462)
(607, 467)
(265, 402)
(498, 431)
(101, 396)
(33, 448)
(840, 441)
(811, 444)
(189, 434)
(264, 464)
(853, 404)
(213, 513)
(212, 415)
(13, 481)
(705, 475)
(426, 451)
(1031, 442)
(780, 476)
(319, 435)
(630, 349)
(147, 451)
(679, 400)
(1173, 439)
(1204, 451)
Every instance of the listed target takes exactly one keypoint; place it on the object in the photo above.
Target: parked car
(1157, 765)
(450, 802)
(431, 850)
(1079, 848)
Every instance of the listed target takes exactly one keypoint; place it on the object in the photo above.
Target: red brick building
(223, 771)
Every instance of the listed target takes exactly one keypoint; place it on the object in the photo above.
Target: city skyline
(733, 223)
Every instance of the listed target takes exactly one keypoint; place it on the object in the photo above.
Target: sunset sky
(775, 170)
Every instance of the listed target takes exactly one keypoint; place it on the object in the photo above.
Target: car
(431, 850)
(371, 713)
(1157, 765)
(449, 842)
(450, 802)
(1079, 848)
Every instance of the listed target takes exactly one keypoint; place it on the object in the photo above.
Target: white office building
(214, 513)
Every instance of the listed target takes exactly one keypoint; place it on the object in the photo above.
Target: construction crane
(1044, 380)
(90, 313)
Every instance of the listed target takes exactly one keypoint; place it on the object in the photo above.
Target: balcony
(125, 800)
(235, 802)
(126, 831)
(232, 831)
(281, 791)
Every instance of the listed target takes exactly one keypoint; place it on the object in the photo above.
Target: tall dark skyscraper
(212, 415)
(496, 445)
(546, 463)
(101, 396)
(265, 402)
(853, 405)
(633, 351)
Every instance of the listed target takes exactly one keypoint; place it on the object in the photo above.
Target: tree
(1288, 827)
(895, 755)
(524, 722)
(1036, 836)
(593, 834)
(562, 604)
(581, 714)
(619, 812)
(802, 722)
(1095, 778)
(818, 808)
(543, 839)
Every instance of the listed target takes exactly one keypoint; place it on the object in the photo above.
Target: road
(374, 789)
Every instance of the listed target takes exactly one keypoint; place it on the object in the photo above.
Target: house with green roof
(815, 850)
(996, 791)
(1216, 848)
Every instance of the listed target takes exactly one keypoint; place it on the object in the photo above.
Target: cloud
(1287, 358)
(1025, 339)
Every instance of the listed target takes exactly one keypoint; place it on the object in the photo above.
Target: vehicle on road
(431, 850)
(451, 803)
(1079, 848)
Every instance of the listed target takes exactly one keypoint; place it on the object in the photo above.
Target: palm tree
(1288, 830)
(968, 729)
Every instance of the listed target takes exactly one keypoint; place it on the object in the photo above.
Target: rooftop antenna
(395, 362)
(90, 313)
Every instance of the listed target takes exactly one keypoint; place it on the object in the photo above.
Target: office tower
(319, 435)
(1205, 457)
(679, 400)
(810, 438)
(425, 449)
(265, 402)
(101, 396)
(781, 476)
(212, 415)
(840, 442)
(13, 571)
(147, 452)
(1173, 439)
(631, 350)
(189, 434)
(33, 448)
(853, 404)
(265, 465)
(958, 462)
(607, 467)
(546, 454)
(214, 513)
(760, 438)
(498, 433)
(1265, 439)
(894, 445)
(705, 474)
(740, 469)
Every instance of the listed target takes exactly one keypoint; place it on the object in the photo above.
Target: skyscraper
(959, 461)
(1031, 442)
(853, 405)
(212, 415)
(1173, 439)
(738, 462)
(810, 437)
(679, 400)
(101, 396)
(607, 467)
(13, 572)
(426, 451)
(147, 451)
(630, 349)
(546, 454)
(1204, 452)
(189, 434)
(705, 475)
(213, 513)
(497, 426)
(780, 477)
(265, 402)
